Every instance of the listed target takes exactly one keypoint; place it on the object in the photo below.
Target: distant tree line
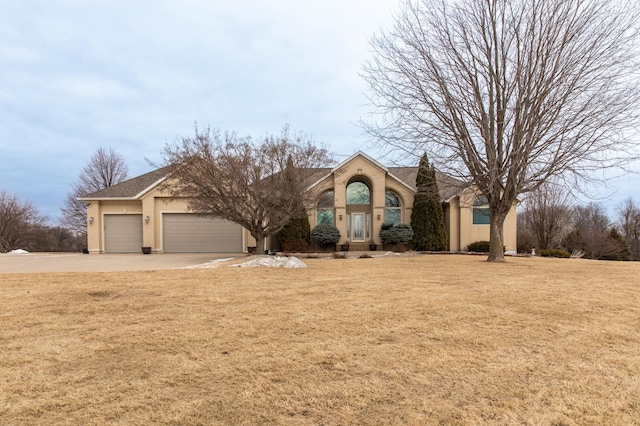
(550, 220)
(23, 227)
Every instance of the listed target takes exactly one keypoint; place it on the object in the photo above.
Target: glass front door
(358, 227)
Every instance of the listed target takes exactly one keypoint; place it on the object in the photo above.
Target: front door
(358, 227)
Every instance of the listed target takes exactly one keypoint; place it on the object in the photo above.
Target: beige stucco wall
(98, 210)
(452, 223)
(470, 233)
(362, 169)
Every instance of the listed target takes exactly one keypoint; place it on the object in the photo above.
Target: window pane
(325, 200)
(392, 216)
(391, 199)
(368, 226)
(358, 193)
(325, 216)
(481, 201)
(481, 216)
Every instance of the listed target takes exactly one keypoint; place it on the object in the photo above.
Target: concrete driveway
(77, 262)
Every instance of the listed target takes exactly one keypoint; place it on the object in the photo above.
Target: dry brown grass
(415, 340)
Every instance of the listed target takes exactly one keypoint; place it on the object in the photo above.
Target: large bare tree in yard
(260, 185)
(105, 168)
(507, 94)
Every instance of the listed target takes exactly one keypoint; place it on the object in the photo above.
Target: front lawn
(407, 340)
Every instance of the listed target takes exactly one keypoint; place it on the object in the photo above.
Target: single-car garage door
(193, 233)
(122, 233)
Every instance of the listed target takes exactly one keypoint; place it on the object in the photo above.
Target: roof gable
(356, 155)
(132, 188)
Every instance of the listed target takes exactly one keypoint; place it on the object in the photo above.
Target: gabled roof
(447, 185)
(132, 188)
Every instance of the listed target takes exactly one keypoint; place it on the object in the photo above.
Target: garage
(123, 233)
(193, 233)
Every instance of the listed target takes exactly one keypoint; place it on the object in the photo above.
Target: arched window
(325, 207)
(358, 193)
(392, 208)
(481, 211)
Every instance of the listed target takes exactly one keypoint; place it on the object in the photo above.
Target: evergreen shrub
(554, 253)
(479, 247)
(325, 235)
(296, 236)
(395, 234)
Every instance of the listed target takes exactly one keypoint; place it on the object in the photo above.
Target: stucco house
(357, 196)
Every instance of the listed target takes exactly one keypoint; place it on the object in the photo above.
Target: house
(357, 196)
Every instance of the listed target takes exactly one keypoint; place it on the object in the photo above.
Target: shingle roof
(447, 185)
(130, 188)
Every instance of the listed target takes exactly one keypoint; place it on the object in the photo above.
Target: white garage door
(123, 233)
(192, 233)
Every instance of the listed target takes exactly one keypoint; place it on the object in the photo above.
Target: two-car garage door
(181, 233)
(193, 233)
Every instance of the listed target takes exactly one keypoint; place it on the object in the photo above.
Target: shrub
(479, 247)
(395, 234)
(554, 253)
(386, 226)
(296, 235)
(295, 246)
(325, 235)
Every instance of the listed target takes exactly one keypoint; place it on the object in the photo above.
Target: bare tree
(546, 215)
(506, 94)
(629, 224)
(105, 168)
(258, 185)
(18, 222)
(593, 234)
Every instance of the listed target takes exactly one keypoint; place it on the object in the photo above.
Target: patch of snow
(510, 253)
(18, 251)
(273, 262)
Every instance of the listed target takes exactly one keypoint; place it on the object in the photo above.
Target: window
(358, 193)
(392, 208)
(481, 211)
(325, 207)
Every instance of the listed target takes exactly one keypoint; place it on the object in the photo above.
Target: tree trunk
(259, 244)
(496, 237)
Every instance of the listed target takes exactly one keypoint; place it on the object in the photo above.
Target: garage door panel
(123, 233)
(193, 233)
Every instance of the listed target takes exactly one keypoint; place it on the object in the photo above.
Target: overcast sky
(76, 75)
